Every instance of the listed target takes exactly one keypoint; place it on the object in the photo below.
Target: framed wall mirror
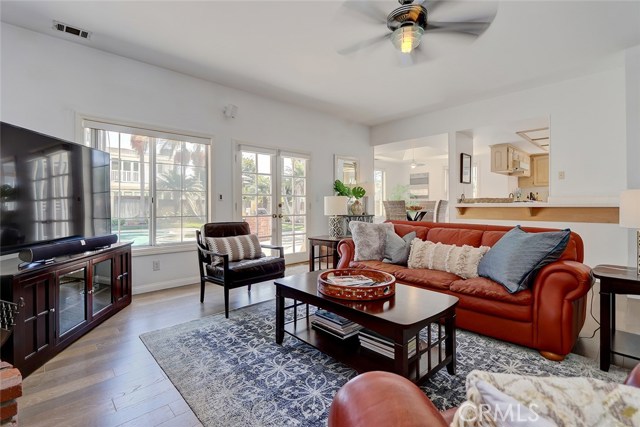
(346, 169)
(465, 168)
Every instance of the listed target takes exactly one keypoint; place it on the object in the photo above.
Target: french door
(273, 197)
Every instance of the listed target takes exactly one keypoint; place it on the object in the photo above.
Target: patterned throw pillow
(237, 247)
(369, 240)
(519, 400)
(460, 260)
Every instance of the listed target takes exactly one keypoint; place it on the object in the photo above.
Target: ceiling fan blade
(363, 44)
(368, 9)
(431, 5)
(471, 28)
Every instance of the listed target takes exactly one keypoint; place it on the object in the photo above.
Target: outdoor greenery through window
(158, 183)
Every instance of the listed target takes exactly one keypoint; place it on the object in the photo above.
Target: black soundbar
(45, 252)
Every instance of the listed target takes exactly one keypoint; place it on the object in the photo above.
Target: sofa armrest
(559, 305)
(382, 399)
(347, 251)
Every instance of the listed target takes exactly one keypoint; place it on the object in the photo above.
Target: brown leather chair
(234, 274)
(382, 399)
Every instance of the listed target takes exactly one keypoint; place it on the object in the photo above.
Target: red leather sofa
(382, 399)
(546, 317)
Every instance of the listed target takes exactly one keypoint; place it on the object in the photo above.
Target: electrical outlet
(561, 175)
(156, 265)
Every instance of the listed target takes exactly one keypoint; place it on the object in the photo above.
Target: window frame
(86, 131)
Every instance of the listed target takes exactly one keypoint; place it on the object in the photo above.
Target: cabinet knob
(119, 277)
(53, 310)
(90, 291)
(21, 302)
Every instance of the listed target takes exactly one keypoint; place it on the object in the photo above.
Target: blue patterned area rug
(232, 373)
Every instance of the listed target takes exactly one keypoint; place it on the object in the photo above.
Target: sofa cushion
(369, 240)
(460, 260)
(450, 236)
(486, 288)
(425, 278)
(490, 238)
(396, 248)
(516, 258)
(403, 229)
(237, 247)
(249, 268)
(378, 265)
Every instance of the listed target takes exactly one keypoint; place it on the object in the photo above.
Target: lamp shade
(630, 208)
(335, 205)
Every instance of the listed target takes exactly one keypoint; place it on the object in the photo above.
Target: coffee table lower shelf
(361, 359)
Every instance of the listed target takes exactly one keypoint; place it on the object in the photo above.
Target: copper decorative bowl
(356, 284)
(414, 208)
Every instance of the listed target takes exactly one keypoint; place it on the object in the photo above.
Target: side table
(330, 255)
(615, 279)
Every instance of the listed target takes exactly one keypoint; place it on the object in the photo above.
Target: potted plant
(354, 193)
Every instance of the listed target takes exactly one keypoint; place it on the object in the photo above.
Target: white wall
(588, 121)
(45, 81)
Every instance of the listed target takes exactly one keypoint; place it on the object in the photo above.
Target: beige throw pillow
(237, 247)
(460, 260)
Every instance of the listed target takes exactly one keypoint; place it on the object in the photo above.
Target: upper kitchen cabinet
(509, 160)
(539, 172)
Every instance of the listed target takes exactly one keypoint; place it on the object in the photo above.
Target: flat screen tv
(50, 190)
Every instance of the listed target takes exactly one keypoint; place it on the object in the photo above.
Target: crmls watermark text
(470, 412)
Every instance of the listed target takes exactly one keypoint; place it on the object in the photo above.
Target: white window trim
(207, 139)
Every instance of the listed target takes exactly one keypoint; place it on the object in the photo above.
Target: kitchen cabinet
(539, 172)
(509, 160)
(61, 301)
(540, 167)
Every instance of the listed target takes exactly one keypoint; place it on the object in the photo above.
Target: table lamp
(630, 215)
(334, 206)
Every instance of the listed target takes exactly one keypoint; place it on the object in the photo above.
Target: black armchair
(234, 274)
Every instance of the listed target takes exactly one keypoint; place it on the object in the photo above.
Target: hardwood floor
(108, 378)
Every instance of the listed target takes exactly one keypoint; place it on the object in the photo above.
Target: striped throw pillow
(237, 247)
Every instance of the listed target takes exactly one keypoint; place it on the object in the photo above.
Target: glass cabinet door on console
(101, 293)
(72, 299)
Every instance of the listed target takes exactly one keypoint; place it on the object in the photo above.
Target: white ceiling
(286, 50)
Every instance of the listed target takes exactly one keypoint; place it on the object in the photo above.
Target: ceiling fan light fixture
(407, 38)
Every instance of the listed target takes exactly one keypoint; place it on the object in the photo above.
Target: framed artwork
(465, 168)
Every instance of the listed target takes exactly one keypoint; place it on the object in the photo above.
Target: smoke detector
(74, 31)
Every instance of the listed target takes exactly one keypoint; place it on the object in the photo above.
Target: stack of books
(333, 324)
(382, 345)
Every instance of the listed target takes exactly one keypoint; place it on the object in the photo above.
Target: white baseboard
(157, 286)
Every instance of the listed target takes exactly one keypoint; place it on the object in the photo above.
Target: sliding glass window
(159, 181)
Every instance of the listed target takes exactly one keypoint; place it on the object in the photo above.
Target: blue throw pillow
(396, 248)
(516, 258)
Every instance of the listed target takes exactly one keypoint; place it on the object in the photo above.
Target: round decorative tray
(356, 284)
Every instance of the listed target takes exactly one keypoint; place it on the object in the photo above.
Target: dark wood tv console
(61, 301)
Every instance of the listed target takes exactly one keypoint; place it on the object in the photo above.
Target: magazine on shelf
(347, 329)
(341, 335)
(355, 280)
(332, 317)
(380, 344)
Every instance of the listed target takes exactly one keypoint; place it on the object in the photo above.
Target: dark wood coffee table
(399, 318)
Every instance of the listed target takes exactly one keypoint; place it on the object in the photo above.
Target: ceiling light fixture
(407, 37)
